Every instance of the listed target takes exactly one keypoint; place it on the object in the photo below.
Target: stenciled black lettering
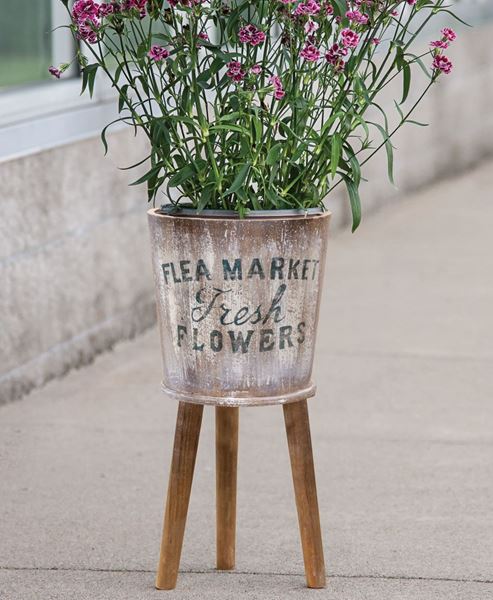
(176, 279)
(293, 268)
(182, 332)
(196, 346)
(165, 268)
(266, 340)
(285, 336)
(216, 341)
(202, 270)
(256, 315)
(256, 269)
(275, 309)
(234, 272)
(315, 267)
(306, 265)
(199, 313)
(276, 267)
(301, 331)
(185, 270)
(239, 341)
(242, 316)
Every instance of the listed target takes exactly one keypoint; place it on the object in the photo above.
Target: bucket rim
(170, 210)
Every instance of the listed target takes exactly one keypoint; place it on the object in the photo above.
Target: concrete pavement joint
(259, 573)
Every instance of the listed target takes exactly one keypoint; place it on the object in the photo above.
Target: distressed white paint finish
(276, 364)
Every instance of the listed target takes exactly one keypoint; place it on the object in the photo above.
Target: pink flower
(310, 53)
(307, 7)
(85, 15)
(335, 56)
(85, 10)
(249, 34)
(350, 39)
(311, 27)
(357, 17)
(139, 5)
(439, 44)
(55, 72)
(106, 9)
(328, 9)
(158, 53)
(449, 34)
(442, 63)
(235, 71)
(87, 33)
(256, 69)
(279, 92)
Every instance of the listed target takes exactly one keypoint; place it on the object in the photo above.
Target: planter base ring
(240, 400)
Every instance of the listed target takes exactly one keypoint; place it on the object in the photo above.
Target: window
(28, 42)
(38, 112)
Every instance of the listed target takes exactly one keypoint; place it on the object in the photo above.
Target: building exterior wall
(74, 252)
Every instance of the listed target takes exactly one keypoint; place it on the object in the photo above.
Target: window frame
(41, 115)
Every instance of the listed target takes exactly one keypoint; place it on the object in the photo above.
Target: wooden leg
(187, 433)
(305, 489)
(226, 474)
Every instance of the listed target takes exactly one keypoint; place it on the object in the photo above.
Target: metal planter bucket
(238, 302)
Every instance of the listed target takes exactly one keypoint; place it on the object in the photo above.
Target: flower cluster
(441, 63)
(87, 15)
(251, 35)
(272, 110)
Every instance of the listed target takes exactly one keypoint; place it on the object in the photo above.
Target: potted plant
(254, 112)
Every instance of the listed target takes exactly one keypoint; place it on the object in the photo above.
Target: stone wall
(74, 251)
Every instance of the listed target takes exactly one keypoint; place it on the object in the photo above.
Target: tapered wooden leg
(305, 489)
(187, 433)
(226, 474)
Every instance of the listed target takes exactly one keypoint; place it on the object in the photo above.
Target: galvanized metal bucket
(238, 302)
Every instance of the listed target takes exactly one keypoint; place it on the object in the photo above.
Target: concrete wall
(74, 261)
(74, 256)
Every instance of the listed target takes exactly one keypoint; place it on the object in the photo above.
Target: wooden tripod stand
(187, 433)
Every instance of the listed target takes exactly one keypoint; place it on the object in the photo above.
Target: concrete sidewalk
(402, 428)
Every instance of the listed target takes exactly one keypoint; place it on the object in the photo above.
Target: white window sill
(47, 115)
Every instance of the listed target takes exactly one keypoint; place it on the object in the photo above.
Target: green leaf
(238, 180)
(335, 154)
(205, 197)
(181, 176)
(339, 7)
(149, 175)
(417, 123)
(406, 81)
(122, 98)
(88, 77)
(390, 152)
(274, 154)
(230, 128)
(354, 201)
(204, 80)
